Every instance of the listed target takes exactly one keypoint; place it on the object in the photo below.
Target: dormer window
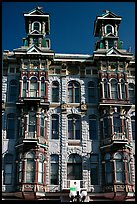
(109, 29)
(36, 26)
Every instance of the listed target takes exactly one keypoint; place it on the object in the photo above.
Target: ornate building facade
(68, 117)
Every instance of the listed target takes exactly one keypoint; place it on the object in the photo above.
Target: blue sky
(71, 24)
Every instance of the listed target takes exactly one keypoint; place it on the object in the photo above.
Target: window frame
(114, 89)
(74, 127)
(11, 128)
(13, 90)
(55, 120)
(91, 92)
(55, 92)
(93, 127)
(95, 172)
(54, 165)
(8, 162)
(74, 166)
(74, 93)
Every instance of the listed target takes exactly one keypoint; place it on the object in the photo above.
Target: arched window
(41, 168)
(74, 127)
(13, 91)
(131, 89)
(117, 125)
(114, 89)
(32, 124)
(93, 127)
(36, 26)
(25, 87)
(133, 126)
(73, 92)
(74, 167)
(30, 167)
(33, 87)
(123, 91)
(11, 126)
(119, 168)
(55, 91)
(42, 125)
(109, 29)
(108, 169)
(55, 127)
(8, 169)
(105, 88)
(91, 92)
(42, 87)
(54, 169)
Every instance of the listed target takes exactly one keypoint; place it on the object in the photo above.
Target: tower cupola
(106, 29)
(37, 28)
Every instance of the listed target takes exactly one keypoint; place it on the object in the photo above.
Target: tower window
(110, 43)
(36, 41)
(36, 26)
(109, 29)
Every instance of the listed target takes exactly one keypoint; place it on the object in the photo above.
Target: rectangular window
(40, 173)
(94, 169)
(119, 172)
(92, 129)
(54, 174)
(8, 174)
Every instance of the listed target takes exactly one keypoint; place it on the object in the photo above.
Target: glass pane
(7, 179)
(40, 177)
(94, 174)
(8, 168)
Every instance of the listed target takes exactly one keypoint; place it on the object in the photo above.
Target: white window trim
(32, 27)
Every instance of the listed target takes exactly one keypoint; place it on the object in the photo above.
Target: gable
(113, 51)
(36, 11)
(35, 32)
(109, 14)
(110, 35)
(33, 50)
